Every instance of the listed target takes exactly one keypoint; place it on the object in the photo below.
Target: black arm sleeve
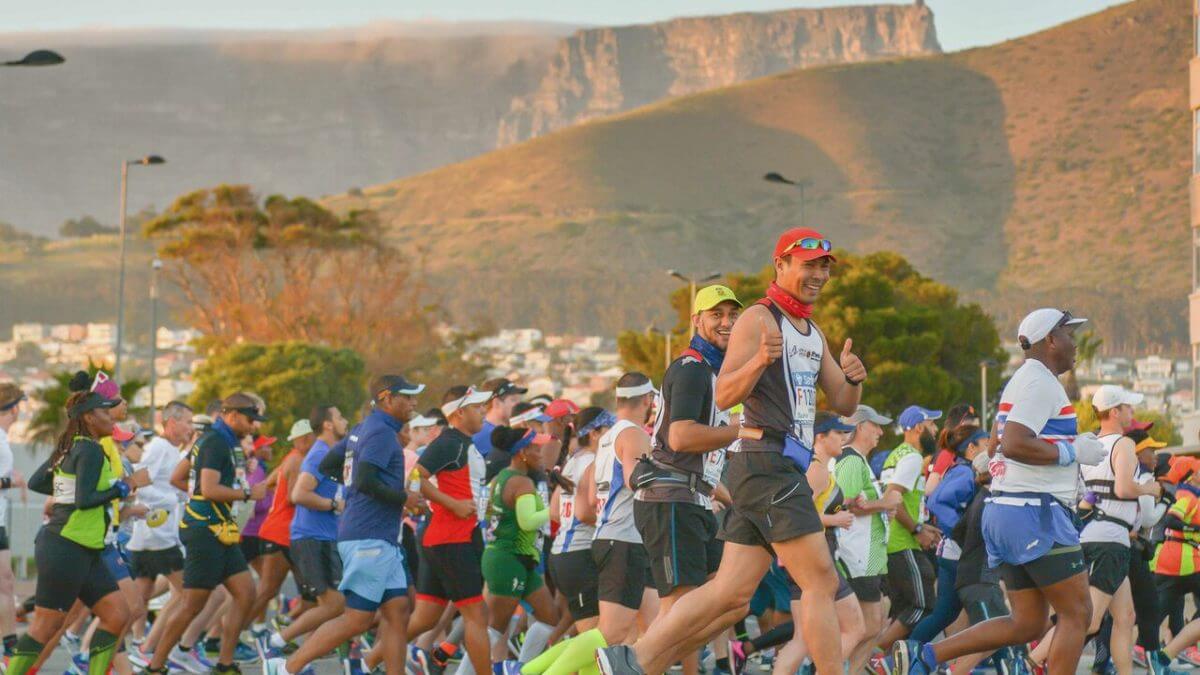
(87, 474)
(367, 481)
(42, 480)
(331, 464)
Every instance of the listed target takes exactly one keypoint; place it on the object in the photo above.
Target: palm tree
(1087, 345)
(50, 420)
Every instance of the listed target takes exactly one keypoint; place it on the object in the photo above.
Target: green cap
(711, 296)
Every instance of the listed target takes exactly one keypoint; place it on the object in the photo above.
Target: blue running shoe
(79, 665)
(906, 658)
(244, 653)
(512, 667)
(1160, 664)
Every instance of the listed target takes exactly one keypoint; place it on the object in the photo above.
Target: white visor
(639, 390)
(472, 397)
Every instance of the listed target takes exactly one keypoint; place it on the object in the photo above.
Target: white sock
(277, 641)
(535, 641)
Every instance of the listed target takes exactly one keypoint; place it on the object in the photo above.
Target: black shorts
(251, 547)
(982, 602)
(681, 543)
(3, 538)
(910, 578)
(1107, 565)
(1060, 563)
(152, 564)
(771, 500)
(624, 571)
(207, 562)
(577, 579)
(316, 566)
(452, 572)
(867, 589)
(269, 547)
(68, 572)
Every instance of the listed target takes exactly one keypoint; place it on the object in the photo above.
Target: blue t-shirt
(309, 524)
(374, 441)
(877, 460)
(483, 438)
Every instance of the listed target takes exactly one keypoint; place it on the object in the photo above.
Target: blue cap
(827, 422)
(915, 414)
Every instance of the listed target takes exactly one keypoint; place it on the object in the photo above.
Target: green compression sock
(104, 645)
(24, 655)
(541, 662)
(581, 653)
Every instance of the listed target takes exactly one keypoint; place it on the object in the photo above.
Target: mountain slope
(1050, 169)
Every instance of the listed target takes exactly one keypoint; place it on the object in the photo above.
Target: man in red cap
(776, 359)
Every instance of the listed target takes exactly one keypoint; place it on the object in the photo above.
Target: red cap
(263, 441)
(786, 245)
(561, 407)
(120, 435)
(1139, 426)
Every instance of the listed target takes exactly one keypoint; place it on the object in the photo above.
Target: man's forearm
(311, 500)
(693, 437)
(735, 386)
(435, 495)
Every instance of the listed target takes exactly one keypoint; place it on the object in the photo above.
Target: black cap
(503, 387)
(395, 384)
(92, 401)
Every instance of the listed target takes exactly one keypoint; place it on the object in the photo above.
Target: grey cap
(865, 413)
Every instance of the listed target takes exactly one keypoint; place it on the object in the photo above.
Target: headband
(646, 387)
(527, 416)
(962, 447)
(470, 397)
(604, 419)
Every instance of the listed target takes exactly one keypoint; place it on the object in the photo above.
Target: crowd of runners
(743, 511)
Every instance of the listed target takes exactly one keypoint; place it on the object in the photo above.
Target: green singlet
(506, 532)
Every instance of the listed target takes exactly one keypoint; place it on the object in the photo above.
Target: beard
(928, 443)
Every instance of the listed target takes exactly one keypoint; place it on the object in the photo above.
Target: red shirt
(460, 470)
(277, 527)
(942, 462)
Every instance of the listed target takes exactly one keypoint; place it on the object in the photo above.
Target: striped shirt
(1035, 399)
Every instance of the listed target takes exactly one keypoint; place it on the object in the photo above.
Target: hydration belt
(1100, 516)
(651, 473)
(1106, 489)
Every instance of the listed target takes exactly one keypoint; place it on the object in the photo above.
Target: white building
(1154, 367)
(101, 334)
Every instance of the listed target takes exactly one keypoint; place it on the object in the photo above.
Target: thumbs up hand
(852, 366)
(770, 343)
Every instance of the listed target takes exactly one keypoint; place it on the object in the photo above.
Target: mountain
(321, 112)
(602, 71)
(1051, 169)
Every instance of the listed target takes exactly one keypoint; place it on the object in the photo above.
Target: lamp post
(155, 266)
(651, 330)
(983, 391)
(775, 177)
(39, 57)
(148, 160)
(691, 294)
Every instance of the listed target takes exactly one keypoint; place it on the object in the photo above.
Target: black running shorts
(68, 572)
(910, 578)
(982, 602)
(772, 501)
(207, 562)
(152, 564)
(1058, 564)
(452, 572)
(867, 589)
(577, 579)
(681, 542)
(1107, 565)
(316, 566)
(624, 571)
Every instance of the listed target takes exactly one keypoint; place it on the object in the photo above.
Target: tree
(84, 226)
(50, 420)
(289, 269)
(20, 240)
(1164, 428)
(920, 344)
(290, 376)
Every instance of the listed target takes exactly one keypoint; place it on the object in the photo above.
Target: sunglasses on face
(810, 244)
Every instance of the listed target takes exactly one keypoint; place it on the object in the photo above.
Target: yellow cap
(711, 296)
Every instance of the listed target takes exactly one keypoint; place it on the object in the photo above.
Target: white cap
(1037, 325)
(472, 397)
(302, 427)
(421, 421)
(1109, 396)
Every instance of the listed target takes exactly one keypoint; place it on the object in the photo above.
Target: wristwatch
(245, 493)
(918, 528)
(332, 504)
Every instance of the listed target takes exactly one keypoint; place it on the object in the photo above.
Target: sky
(960, 23)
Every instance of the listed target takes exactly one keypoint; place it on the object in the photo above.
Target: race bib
(806, 403)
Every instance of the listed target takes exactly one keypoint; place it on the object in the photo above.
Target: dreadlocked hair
(79, 386)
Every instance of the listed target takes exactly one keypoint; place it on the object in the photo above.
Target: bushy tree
(291, 377)
(84, 226)
(920, 344)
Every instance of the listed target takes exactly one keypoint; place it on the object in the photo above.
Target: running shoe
(231, 669)
(1160, 664)
(906, 658)
(418, 660)
(515, 642)
(737, 656)
(79, 665)
(1190, 656)
(1139, 657)
(72, 642)
(807, 668)
(511, 667)
(187, 661)
(138, 658)
(198, 652)
(244, 653)
(878, 664)
(353, 666)
(618, 660)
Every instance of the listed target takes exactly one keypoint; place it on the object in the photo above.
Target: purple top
(254, 476)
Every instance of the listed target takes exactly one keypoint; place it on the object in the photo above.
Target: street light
(692, 292)
(155, 266)
(775, 177)
(40, 57)
(148, 160)
(651, 330)
(983, 390)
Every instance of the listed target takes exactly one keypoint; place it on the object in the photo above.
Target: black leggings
(1171, 592)
(778, 635)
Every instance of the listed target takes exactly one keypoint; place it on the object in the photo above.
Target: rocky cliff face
(604, 71)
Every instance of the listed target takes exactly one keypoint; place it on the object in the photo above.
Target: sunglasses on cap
(1067, 317)
(810, 244)
(250, 412)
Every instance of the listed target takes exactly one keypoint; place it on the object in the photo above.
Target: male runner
(505, 397)
(452, 548)
(209, 531)
(910, 572)
(375, 577)
(1028, 525)
(777, 358)
(673, 503)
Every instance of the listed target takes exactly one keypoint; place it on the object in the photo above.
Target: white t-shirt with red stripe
(1035, 399)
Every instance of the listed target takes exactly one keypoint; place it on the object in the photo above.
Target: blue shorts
(115, 563)
(1021, 534)
(772, 592)
(373, 572)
